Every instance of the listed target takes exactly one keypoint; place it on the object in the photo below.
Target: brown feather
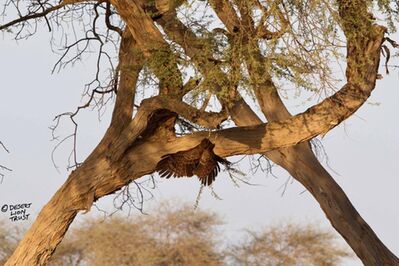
(200, 161)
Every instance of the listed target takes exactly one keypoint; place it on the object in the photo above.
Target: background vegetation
(176, 234)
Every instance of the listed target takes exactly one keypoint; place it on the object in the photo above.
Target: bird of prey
(200, 161)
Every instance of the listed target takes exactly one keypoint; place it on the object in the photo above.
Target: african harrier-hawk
(200, 161)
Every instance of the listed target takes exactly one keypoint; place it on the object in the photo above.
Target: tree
(177, 235)
(180, 235)
(288, 244)
(256, 45)
(9, 237)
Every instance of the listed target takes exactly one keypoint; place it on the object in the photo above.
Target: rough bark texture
(302, 164)
(132, 148)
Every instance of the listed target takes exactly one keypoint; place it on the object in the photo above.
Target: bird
(200, 161)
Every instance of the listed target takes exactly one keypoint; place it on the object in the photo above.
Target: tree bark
(299, 160)
(302, 164)
(78, 192)
(339, 210)
(132, 148)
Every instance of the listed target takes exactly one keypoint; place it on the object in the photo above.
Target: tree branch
(227, 14)
(162, 61)
(4, 147)
(263, 32)
(302, 164)
(323, 117)
(106, 170)
(131, 61)
(148, 107)
(32, 16)
(44, 13)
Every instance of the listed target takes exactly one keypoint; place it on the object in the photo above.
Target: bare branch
(2, 167)
(71, 116)
(262, 30)
(4, 147)
(108, 14)
(29, 17)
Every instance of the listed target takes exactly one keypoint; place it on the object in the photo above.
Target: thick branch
(140, 24)
(342, 217)
(318, 119)
(302, 164)
(151, 42)
(264, 88)
(102, 173)
(149, 106)
(98, 176)
(330, 112)
(193, 46)
(275, 135)
(179, 33)
(131, 62)
(227, 14)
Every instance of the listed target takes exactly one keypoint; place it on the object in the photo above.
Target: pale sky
(363, 153)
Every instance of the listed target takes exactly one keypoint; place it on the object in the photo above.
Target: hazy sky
(363, 152)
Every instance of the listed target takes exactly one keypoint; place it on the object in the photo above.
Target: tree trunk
(338, 209)
(302, 164)
(132, 148)
(54, 219)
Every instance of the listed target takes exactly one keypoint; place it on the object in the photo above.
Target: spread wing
(179, 164)
(200, 161)
(173, 165)
(208, 167)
